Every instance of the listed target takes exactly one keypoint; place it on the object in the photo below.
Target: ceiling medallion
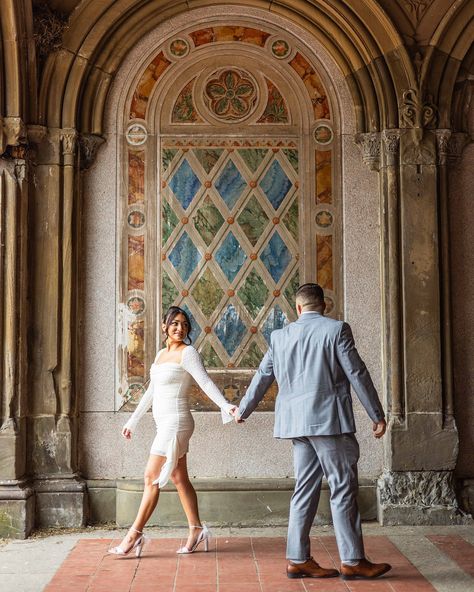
(231, 94)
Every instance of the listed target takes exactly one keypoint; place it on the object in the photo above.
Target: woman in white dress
(171, 376)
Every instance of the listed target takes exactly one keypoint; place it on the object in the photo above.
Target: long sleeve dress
(168, 392)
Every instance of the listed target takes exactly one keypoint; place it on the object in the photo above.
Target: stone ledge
(224, 502)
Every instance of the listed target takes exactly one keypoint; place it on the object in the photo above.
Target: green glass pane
(167, 156)
(291, 288)
(253, 220)
(208, 157)
(168, 292)
(290, 220)
(170, 221)
(292, 156)
(208, 220)
(252, 357)
(252, 157)
(207, 292)
(253, 293)
(210, 357)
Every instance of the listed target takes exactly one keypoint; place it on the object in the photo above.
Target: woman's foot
(129, 540)
(197, 535)
(194, 533)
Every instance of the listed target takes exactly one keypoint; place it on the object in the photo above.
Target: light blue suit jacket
(314, 361)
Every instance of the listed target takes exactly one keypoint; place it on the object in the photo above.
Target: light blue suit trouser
(336, 458)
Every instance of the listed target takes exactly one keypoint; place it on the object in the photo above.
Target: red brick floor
(457, 549)
(245, 564)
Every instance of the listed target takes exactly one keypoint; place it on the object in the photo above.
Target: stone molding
(370, 146)
(12, 132)
(391, 143)
(416, 113)
(442, 142)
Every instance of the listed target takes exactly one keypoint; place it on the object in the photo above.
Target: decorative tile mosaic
(291, 220)
(291, 288)
(323, 176)
(230, 184)
(253, 220)
(169, 222)
(136, 262)
(136, 177)
(169, 293)
(146, 84)
(208, 157)
(275, 110)
(231, 94)
(276, 319)
(207, 292)
(185, 184)
(276, 256)
(230, 330)
(207, 220)
(252, 356)
(324, 261)
(253, 293)
(275, 184)
(229, 33)
(184, 110)
(184, 256)
(313, 85)
(230, 256)
(210, 357)
(253, 157)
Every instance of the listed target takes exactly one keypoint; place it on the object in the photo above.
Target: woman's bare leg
(150, 497)
(188, 499)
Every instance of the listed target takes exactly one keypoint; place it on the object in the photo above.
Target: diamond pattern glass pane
(252, 357)
(210, 357)
(276, 257)
(167, 156)
(170, 221)
(253, 157)
(207, 292)
(275, 184)
(291, 220)
(253, 293)
(230, 256)
(185, 184)
(230, 330)
(184, 256)
(168, 292)
(275, 320)
(195, 328)
(253, 220)
(292, 156)
(208, 220)
(208, 157)
(230, 184)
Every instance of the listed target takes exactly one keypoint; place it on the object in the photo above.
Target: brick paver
(237, 564)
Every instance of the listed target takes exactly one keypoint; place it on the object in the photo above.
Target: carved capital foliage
(68, 141)
(415, 113)
(417, 488)
(89, 144)
(370, 145)
(391, 142)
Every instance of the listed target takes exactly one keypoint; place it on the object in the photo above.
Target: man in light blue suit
(314, 361)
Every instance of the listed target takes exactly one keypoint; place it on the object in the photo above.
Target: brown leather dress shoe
(309, 569)
(364, 570)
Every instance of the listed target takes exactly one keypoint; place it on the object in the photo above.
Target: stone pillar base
(61, 503)
(17, 509)
(418, 498)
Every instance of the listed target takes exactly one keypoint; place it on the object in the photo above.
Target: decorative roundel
(324, 219)
(136, 219)
(179, 48)
(136, 134)
(280, 49)
(231, 94)
(323, 134)
(136, 305)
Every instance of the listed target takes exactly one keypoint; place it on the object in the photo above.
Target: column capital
(391, 143)
(369, 143)
(442, 143)
(89, 144)
(68, 137)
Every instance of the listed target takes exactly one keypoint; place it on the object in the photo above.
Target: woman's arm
(192, 363)
(142, 408)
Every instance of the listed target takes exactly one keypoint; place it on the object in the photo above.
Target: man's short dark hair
(310, 295)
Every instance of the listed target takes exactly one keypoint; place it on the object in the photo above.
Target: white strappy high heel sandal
(137, 545)
(204, 535)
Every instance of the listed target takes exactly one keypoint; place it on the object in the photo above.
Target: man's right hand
(126, 433)
(235, 413)
(379, 428)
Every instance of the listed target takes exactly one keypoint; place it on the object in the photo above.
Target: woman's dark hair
(171, 314)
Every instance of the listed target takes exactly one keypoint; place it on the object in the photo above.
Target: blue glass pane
(184, 256)
(230, 184)
(275, 320)
(185, 184)
(230, 256)
(230, 330)
(276, 257)
(196, 329)
(275, 184)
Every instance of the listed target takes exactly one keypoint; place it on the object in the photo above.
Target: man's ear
(299, 309)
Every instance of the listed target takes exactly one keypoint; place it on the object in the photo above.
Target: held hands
(235, 413)
(126, 433)
(379, 428)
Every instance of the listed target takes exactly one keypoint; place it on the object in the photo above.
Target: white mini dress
(168, 392)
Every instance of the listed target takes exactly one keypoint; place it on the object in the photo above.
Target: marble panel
(185, 256)
(195, 327)
(314, 86)
(230, 184)
(276, 319)
(146, 84)
(253, 293)
(136, 262)
(275, 184)
(207, 220)
(136, 349)
(253, 220)
(323, 176)
(292, 156)
(291, 288)
(185, 184)
(169, 293)
(276, 257)
(229, 33)
(324, 261)
(167, 155)
(291, 220)
(208, 157)
(169, 222)
(252, 356)
(136, 177)
(184, 110)
(230, 256)
(230, 329)
(210, 357)
(253, 157)
(207, 292)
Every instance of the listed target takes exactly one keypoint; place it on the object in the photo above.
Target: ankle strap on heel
(193, 526)
(135, 530)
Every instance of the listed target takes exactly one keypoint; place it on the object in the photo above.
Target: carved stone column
(421, 443)
(60, 493)
(16, 497)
